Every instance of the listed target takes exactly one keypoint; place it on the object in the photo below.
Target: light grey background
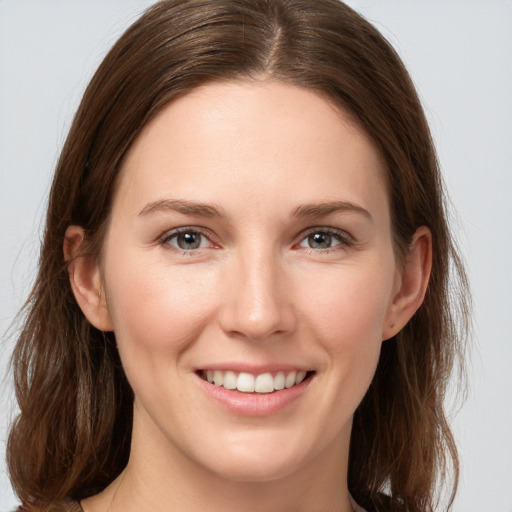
(459, 53)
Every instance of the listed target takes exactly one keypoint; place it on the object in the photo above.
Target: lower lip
(254, 404)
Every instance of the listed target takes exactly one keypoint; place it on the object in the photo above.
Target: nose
(257, 301)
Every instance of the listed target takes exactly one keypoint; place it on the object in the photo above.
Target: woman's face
(249, 243)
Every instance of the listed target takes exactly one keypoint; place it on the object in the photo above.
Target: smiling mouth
(248, 383)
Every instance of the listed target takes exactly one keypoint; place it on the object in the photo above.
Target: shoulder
(67, 505)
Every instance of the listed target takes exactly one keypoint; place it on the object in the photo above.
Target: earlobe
(86, 280)
(413, 283)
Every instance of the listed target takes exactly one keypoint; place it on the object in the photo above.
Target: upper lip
(255, 369)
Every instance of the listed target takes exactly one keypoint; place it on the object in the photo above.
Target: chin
(256, 470)
(260, 458)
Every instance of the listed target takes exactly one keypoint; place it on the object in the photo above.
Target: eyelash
(169, 235)
(345, 240)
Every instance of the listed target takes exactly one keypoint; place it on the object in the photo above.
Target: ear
(412, 282)
(86, 280)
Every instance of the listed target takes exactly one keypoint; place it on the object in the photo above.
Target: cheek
(156, 307)
(347, 310)
(349, 306)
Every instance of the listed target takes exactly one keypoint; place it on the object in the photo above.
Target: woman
(242, 300)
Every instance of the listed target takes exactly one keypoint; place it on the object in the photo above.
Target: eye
(324, 239)
(186, 239)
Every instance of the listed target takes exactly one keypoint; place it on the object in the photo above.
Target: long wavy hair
(72, 435)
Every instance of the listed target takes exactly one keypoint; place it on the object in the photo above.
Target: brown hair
(72, 436)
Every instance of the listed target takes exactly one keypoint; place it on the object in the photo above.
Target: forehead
(224, 140)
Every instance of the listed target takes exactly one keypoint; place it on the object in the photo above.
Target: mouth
(262, 383)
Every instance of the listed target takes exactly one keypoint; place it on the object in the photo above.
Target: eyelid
(164, 238)
(346, 239)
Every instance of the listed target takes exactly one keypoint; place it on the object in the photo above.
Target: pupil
(320, 241)
(188, 240)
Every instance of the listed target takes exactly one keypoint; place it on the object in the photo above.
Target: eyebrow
(209, 210)
(184, 207)
(323, 209)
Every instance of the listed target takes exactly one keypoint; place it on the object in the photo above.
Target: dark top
(61, 506)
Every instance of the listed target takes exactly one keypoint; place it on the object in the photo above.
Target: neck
(161, 478)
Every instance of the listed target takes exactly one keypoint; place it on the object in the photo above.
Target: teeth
(218, 378)
(300, 377)
(290, 380)
(245, 382)
(279, 381)
(264, 383)
(248, 383)
(229, 381)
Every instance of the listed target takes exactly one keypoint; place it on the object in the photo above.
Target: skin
(255, 291)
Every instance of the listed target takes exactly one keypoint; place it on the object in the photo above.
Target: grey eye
(320, 240)
(188, 240)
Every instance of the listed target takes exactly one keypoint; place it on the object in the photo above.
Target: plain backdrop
(459, 53)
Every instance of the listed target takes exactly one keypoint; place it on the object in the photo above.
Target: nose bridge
(256, 304)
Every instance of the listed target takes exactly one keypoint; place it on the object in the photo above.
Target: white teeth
(264, 383)
(279, 380)
(290, 380)
(300, 377)
(218, 378)
(248, 383)
(229, 380)
(245, 383)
